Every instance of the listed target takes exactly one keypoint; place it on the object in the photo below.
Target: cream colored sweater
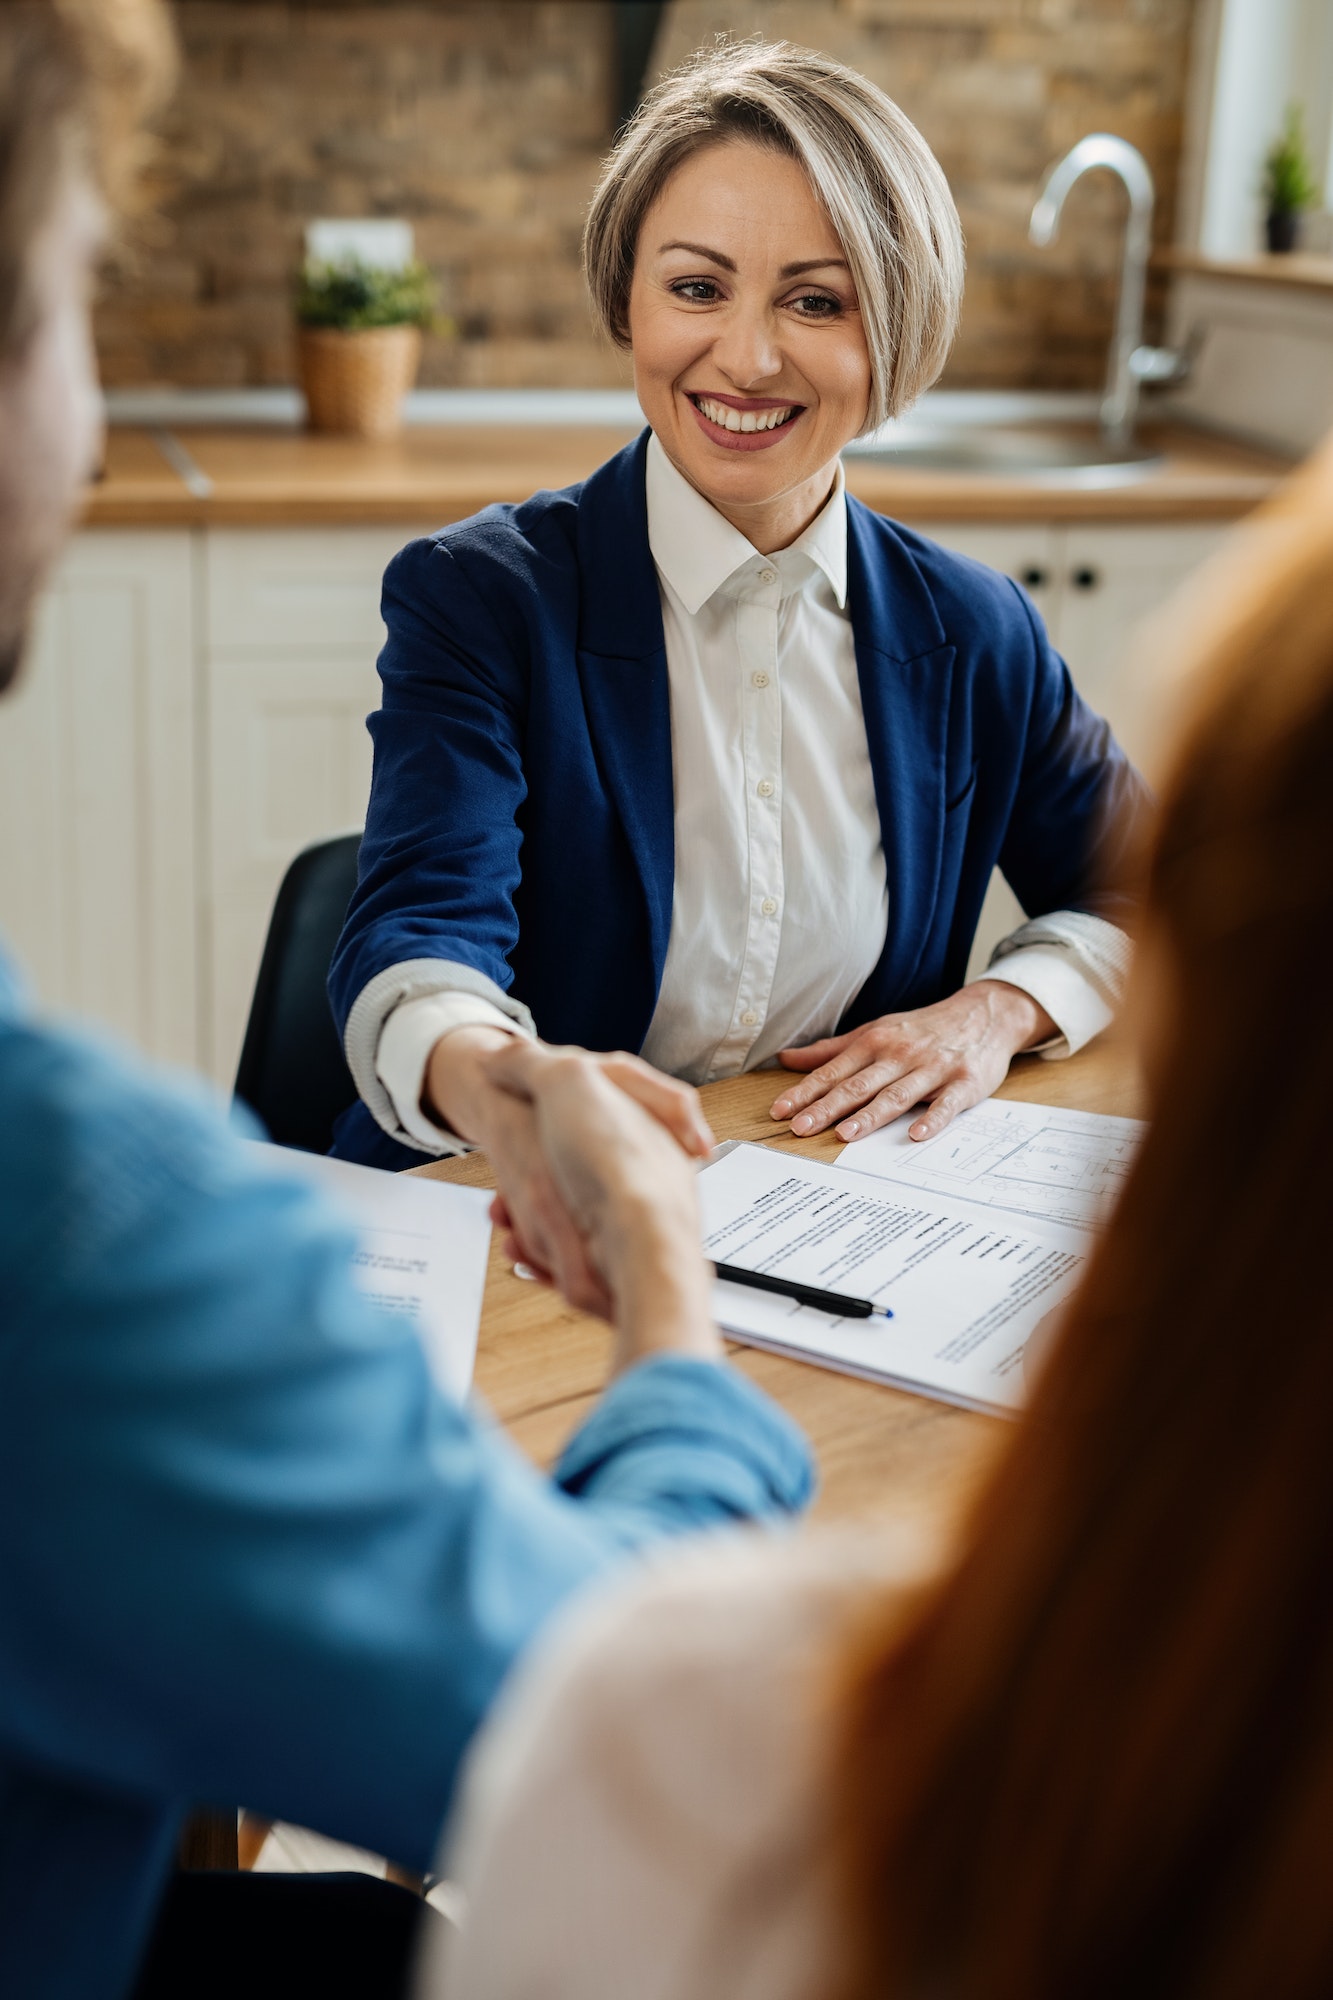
(644, 1818)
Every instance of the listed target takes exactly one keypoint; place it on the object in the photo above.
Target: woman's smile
(744, 423)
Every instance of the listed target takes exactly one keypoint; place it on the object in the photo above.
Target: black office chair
(293, 1073)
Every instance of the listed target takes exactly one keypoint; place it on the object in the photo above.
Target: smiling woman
(700, 758)
(869, 194)
(741, 349)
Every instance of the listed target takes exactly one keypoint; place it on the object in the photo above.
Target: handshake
(594, 1162)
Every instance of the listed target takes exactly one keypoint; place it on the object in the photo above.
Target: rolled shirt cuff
(1057, 982)
(406, 1041)
(415, 979)
(691, 1441)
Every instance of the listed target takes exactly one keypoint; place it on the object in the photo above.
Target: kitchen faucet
(1130, 363)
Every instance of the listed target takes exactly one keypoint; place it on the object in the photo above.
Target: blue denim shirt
(248, 1554)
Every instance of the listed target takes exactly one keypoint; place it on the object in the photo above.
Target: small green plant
(350, 296)
(1289, 182)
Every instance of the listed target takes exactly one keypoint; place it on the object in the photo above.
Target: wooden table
(541, 1365)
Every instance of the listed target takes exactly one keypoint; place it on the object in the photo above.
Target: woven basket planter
(356, 382)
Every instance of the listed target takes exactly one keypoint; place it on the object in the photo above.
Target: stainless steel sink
(1033, 452)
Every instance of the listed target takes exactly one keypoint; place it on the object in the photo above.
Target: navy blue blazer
(521, 812)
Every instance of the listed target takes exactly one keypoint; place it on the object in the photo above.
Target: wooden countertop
(541, 1366)
(1306, 271)
(431, 476)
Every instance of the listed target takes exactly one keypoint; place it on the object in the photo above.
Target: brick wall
(483, 122)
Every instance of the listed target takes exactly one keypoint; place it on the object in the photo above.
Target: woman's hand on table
(465, 1092)
(627, 1188)
(947, 1056)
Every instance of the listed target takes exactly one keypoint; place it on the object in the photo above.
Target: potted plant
(360, 343)
(1289, 184)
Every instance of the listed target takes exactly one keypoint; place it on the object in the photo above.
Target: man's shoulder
(13, 994)
(102, 1155)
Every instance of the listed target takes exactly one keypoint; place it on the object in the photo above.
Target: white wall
(1263, 56)
(1263, 369)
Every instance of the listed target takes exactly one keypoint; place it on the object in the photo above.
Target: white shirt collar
(696, 550)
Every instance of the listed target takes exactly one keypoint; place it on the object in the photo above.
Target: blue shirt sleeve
(247, 1552)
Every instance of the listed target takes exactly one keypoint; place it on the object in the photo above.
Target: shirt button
(765, 788)
(749, 1018)
(768, 576)
(768, 906)
(759, 680)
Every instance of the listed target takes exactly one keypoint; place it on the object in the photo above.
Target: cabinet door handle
(1034, 577)
(1085, 577)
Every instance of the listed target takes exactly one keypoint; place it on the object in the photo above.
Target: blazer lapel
(905, 669)
(623, 672)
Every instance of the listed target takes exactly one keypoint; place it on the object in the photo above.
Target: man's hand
(948, 1056)
(628, 1192)
(464, 1094)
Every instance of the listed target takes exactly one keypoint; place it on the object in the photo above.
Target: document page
(1027, 1159)
(423, 1250)
(966, 1289)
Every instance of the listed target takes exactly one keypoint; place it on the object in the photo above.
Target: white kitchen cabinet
(291, 630)
(1095, 584)
(295, 591)
(1113, 579)
(98, 882)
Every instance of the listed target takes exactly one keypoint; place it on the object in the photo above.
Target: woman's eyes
(816, 305)
(807, 305)
(697, 291)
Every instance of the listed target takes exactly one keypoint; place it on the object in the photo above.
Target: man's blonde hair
(77, 80)
(879, 182)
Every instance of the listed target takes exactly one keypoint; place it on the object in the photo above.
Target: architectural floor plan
(1030, 1159)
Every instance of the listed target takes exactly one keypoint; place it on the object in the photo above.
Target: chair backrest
(293, 1073)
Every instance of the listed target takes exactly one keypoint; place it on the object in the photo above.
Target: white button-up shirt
(780, 906)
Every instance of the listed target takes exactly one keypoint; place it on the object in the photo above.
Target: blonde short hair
(879, 182)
